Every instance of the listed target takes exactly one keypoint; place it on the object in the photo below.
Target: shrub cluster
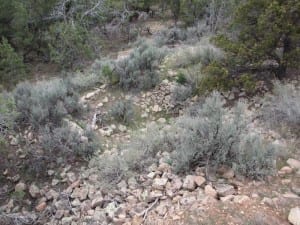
(46, 102)
(122, 111)
(170, 36)
(140, 69)
(281, 110)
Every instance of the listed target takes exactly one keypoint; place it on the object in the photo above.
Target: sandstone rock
(268, 201)
(227, 198)
(41, 207)
(122, 128)
(111, 209)
(240, 199)
(162, 120)
(80, 193)
(66, 220)
(285, 170)
(294, 216)
(98, 201)
(20, 187)
(34, 191)
(199, 180)
(14, 141)
(293, 163)
(189, 183)
(210, 191)
(159, 183)
(224, 190)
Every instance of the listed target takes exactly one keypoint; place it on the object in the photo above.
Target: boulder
(293, 163)
(294, 216)
(224, 190)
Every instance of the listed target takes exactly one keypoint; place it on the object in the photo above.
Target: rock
(293, 163)
(240, 199)
(73, 126)
(132, 183)
(224, 190)
(14, 141)
(199, 180)
(162, 120)
(111, 209)
(156, 108)
(285, 170)
(294, 216)
(176, 184)
(66, 220)
(20, 187)
(90, 95)
(210, 191)
(189, 183)
(122, 128)
(80, 193)
(106, 131)
(34, 191)
(98, 201)
(55, 182)
(151, 175)
(159, 183)
(268, 201)
(41, 207)
(227, 198)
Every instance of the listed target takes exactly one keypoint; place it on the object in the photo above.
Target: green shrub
(216, 78)
(140, 69)
(122, 111)
(180, 78)
(46, 102)
(12, 68)
(68, 44)
(247, 82)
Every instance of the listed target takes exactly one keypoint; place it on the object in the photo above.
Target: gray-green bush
(281, 110)
(63, 141)
(140, 70)
(45, 102)
(122, 111)
(170, 36)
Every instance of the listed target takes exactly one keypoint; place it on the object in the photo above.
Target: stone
(122, 128)
(210, 191)
(294, 216)
(106, 131)
(55, 182)
(227, 198)
(20, 187)
(80, 193)
(66, 220)
(162, 120)
(98, 201)
(92, 94)
(224, 190)
(293, 163)
(285, 170)
(240, 199)
(156, 108)
(189, 183)
(14, 141)
(34, 191)
(268, 202)
(111, 209)
(151, 175)
(159, 183)
(41, 207)
(199, 180)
